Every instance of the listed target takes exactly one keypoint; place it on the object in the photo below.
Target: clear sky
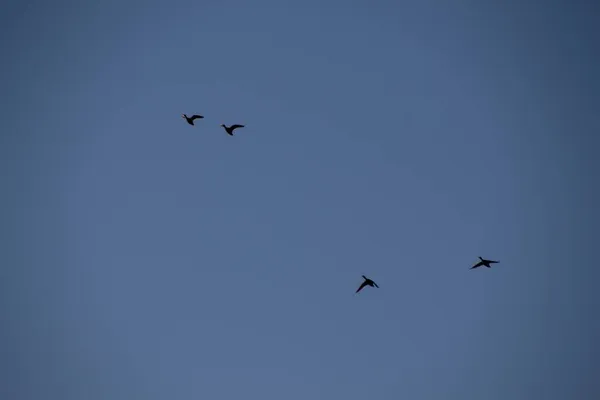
(143, 258)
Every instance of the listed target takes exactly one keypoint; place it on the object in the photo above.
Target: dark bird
(484, 262)
(367, 282)
(231, 128)
(190, 120)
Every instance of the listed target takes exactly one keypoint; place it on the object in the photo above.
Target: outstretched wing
(493, 262)
(377, 286)
(361, 286)
(196, 116)
(479, 264)
(232, 127)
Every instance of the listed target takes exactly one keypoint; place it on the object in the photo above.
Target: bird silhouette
(484, 262)
(190, 120)
(367, 282)
(231, 128)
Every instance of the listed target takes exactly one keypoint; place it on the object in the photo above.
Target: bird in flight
(367, 282)
(484, 262)
(190, 120)
(230, 129)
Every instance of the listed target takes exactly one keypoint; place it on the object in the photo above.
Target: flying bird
(231, 128)
(190, 120)
(367, 282)
(484, 262)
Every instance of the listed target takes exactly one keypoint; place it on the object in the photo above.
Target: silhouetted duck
(484, 262)
(367, 282)
(190, 120)
(231, 128)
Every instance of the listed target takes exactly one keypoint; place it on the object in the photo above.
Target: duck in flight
(190, 120)
(367, 282)
(484, 262)
(230, 129)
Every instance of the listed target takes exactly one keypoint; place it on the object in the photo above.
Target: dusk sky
(144, 258)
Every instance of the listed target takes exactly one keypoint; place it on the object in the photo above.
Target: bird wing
(479, 264)
(196, 116)
(232, 127)
(377, 286)
(494, 262)
(361, 286)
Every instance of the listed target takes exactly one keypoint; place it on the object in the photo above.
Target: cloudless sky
(143, 258)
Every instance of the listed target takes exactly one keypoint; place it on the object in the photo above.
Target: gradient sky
(143, 258)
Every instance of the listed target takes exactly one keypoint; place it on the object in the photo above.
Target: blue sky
(147, 259)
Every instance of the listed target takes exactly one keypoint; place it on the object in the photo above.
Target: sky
(143, 258)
